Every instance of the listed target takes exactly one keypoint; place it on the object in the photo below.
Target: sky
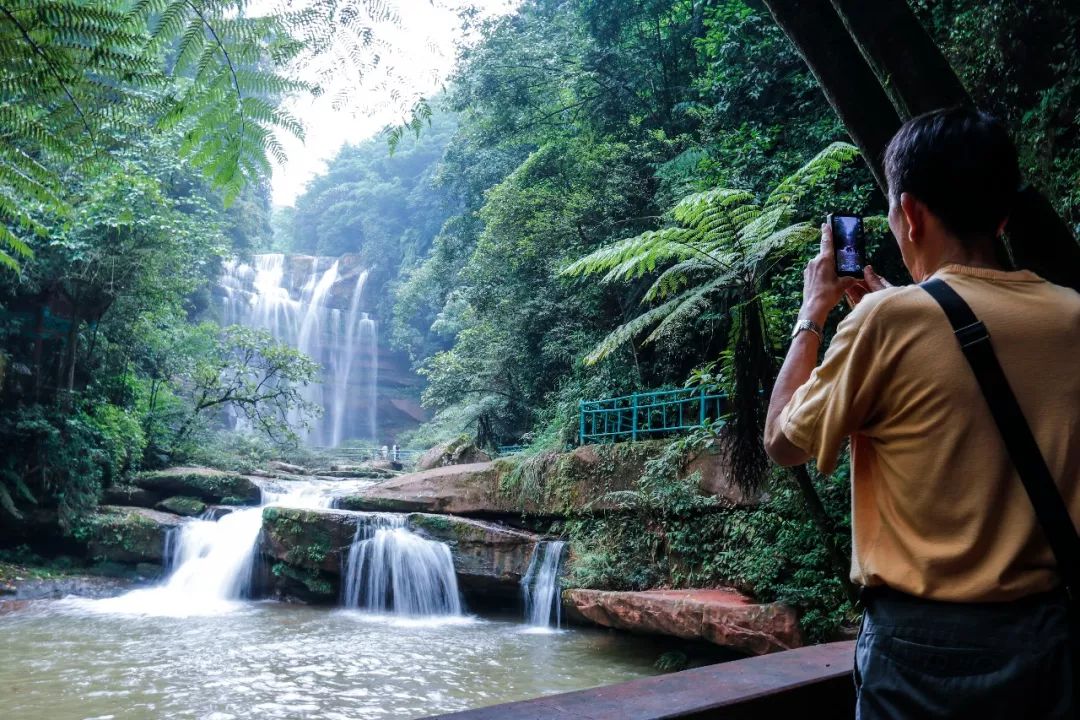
(417, 54)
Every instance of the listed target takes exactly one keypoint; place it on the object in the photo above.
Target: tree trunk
(849, 84)
(909, 65)
(67, 367)
(918, 78)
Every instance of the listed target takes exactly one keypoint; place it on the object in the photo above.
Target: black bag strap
(1049, 506)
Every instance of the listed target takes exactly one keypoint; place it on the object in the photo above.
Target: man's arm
(822, 289)
(799, 363)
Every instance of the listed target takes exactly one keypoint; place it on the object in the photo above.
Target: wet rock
(314, 539)
(22, 592)
(722, 617)
(211, 486)
(456, 452)
(489, 559)
(181, 505)
(130, 495)
(362, 471)
(287, 468)
(129, 534)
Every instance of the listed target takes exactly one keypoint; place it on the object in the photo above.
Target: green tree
(79, 77)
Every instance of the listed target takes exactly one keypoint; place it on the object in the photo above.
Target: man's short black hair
(962, 164)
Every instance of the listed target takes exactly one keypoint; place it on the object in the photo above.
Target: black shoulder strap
(1023, 449)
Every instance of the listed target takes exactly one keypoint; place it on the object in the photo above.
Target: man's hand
(871, 282)
(822, 287)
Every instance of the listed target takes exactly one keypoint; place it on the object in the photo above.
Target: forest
(604, 198)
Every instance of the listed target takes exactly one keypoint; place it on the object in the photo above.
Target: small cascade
(294, 299)
(540, 586)
(210, 562)
(392, 570)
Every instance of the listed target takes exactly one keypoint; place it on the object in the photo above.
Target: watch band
(808, 324)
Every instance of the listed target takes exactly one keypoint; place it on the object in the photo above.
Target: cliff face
(324, 307)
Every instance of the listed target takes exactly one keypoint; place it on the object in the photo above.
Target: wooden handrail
(814, 680)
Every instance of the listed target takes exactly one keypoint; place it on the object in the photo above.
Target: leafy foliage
(80, 78)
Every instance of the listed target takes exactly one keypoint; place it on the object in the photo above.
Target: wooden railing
(650, 414)
(812, 682)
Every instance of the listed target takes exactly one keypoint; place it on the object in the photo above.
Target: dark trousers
(920, 659)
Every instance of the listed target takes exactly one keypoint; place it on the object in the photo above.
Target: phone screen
(848, 241)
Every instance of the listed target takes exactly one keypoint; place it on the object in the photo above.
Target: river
(80, 660)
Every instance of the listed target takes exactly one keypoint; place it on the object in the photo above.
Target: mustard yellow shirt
(938, 509)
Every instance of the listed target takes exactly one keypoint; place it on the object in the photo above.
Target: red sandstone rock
(723, 617)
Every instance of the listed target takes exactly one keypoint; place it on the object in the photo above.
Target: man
(963, 615)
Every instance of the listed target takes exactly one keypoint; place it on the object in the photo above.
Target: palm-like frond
(719, 238)
(824, 165)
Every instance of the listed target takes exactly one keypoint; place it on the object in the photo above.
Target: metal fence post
(633, 418)
(701, 399)
(581, 422)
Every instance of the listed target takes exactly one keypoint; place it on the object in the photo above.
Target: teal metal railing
(643, 415)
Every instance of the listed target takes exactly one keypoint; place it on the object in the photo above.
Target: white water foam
(212, 559)
(540, 587)
(392, 570)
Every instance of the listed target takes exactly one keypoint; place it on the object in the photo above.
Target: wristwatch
(808, 324)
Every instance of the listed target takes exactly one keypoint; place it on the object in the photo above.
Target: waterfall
(359, 339)
(540, 586)
(264, 295)
(369, 341)
(389, 569)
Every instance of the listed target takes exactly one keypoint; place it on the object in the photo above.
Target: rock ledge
(722, 617)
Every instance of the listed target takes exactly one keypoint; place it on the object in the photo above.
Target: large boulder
(210, 486)
(306, 547)
(490, 560)
(722, 617)
(547, 485)
(129, 534)
(181, 505)
(457, 489)
(462, 451)
(130, 495)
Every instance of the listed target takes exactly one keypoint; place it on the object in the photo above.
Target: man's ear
(914, 215)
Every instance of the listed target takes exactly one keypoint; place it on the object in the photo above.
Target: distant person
(965, 616)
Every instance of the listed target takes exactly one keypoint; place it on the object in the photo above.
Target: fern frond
(825, 164)
(630, 330)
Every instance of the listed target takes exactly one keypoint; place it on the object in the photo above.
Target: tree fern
(713, 257)
(720, 238)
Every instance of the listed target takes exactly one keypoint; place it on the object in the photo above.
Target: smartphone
(849, 243)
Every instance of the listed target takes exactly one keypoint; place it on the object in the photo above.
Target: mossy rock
(210, 486)
(128, 534)
(181, 505)
(308, 538)
(130, 495)
(308, 585)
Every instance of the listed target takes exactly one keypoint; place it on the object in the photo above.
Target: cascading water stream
(392, 570)
(540, 586)
(210, 561)
(343, 341)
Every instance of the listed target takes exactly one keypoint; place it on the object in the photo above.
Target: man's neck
(951, 252)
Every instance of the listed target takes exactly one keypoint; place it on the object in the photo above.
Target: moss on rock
(181, 505)
(127, 534)
(211, 486)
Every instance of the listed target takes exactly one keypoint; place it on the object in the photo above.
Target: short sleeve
(841, 392)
